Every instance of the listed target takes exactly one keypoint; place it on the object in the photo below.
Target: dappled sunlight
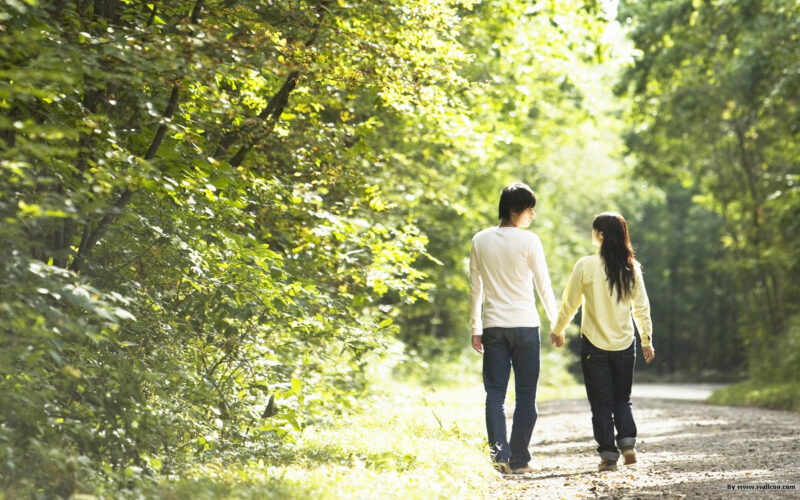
(397, 448)
(683, 448)
(235, 241)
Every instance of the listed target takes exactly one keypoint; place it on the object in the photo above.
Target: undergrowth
(419, 434)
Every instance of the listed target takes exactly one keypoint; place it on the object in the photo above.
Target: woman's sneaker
(630, 456)
(606, 464)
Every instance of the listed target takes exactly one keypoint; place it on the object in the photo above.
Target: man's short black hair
(516, 198)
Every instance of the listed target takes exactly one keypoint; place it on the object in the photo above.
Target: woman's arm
(641, 308)
(641, 315)
(570, 302)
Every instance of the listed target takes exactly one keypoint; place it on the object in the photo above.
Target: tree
(197, 244)
(714, 103)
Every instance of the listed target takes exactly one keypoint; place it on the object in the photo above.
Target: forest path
(686, 449)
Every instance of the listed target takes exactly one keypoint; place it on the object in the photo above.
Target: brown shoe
(503, 467)
(525, 469)
(606, 464)
(630, 456)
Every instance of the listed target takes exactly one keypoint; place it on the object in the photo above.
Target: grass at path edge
(409, 442)
(779, 396)
(419, 434)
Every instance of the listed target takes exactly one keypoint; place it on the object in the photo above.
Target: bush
(780, 396)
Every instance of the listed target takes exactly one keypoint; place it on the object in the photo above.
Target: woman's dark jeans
(608, 376)
(502, 349)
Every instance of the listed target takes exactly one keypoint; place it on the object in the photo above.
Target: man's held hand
(477, 343)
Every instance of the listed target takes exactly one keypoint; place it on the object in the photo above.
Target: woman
(610, 285)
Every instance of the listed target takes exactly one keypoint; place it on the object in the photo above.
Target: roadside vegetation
(415, 435)
(218, 217)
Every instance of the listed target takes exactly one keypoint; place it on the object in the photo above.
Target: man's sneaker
(503, 467)
(606, 464)
(525, 469)
(630, 456)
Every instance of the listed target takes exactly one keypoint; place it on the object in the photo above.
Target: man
(504, 263)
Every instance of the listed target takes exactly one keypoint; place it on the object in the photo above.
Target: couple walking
(505, 262)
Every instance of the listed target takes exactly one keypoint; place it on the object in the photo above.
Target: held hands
(558, 341)
(477, 343)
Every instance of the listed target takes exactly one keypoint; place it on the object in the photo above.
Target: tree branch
(152, 15)
(162, 129)
(275, 106)
(198, 8)
(271, 113)
(91, 102)
(90, 239)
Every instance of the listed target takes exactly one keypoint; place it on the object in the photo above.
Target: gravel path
(686, 449)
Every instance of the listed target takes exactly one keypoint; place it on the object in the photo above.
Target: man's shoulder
(531, 236)
(509, 234)
(529, 239)
(483, 233)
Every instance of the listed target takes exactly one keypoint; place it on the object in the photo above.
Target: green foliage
(714, 107)
(689, 285)
(217, 217)
(779, 396)
(529, 114)
(404, 441)
(214, 212)
(195, 233)
(779, 360)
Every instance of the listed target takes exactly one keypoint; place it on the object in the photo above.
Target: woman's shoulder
(586, 261)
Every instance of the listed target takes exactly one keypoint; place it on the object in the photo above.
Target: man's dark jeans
(608, 376)
(502, 349)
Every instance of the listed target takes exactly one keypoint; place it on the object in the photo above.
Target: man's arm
(476, 297)
(541, 277)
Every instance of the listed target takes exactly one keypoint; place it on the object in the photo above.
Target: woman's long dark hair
(617, 253)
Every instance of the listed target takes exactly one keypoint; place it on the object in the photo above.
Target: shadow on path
(686, 448)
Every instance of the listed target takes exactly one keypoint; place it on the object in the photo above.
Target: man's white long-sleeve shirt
(504, 264)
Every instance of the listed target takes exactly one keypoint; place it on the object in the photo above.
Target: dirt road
(686, 449)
